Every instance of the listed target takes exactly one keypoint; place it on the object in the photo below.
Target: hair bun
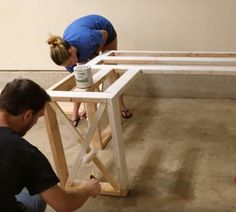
(54, 40)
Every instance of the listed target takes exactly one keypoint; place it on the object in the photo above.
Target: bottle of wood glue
(83, 75)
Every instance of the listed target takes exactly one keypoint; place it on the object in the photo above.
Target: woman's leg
(125, 112)
(32, 203)
(111, 46)
(75, 114)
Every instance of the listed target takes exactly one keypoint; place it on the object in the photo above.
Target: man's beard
(25, 129)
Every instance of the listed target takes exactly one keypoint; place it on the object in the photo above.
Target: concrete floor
(180, 156)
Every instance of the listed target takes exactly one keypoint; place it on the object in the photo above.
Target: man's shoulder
(11, 140)
(9, 136)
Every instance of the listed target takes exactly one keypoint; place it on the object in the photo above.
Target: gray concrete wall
(44, 78)
(184, 86)
(150, 85)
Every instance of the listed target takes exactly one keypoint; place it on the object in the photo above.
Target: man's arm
(64, 201)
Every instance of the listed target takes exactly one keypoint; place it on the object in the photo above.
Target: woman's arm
(104, 36)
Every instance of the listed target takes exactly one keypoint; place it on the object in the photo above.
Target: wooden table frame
(61, 92)
(130, 64)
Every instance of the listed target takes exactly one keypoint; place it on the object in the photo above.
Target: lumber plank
(106, 188)
(71, 96)
(56, 143)
(108, 176)
(97, 139)
(118, 87)
(173, 53)
(222, 61)
(85, 145)
(117, 141)
(177, 69)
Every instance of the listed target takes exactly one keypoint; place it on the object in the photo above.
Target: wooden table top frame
(130, 63)
(61, 92)
(169, 62)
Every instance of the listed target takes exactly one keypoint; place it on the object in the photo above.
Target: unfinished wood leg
(67, 122)
(106, 188)
(109, 188)
(118, 146)
(97, 139)
(56, 144)
(106, 174)
(85, 146)
(106, 132)
(101, 136)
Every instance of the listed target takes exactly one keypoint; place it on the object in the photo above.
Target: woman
(82, 40)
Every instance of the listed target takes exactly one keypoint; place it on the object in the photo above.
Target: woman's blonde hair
(59, 49)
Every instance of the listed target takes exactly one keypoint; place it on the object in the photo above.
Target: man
(28, 181)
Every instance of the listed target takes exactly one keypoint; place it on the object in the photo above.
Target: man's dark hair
(23, 94)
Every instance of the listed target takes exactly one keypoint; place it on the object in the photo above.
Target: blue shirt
(84, 34)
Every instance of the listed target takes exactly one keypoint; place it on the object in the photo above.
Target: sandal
(83, 116)
(126, 114)
(75, 122)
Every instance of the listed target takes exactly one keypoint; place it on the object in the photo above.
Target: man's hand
(93, 187)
